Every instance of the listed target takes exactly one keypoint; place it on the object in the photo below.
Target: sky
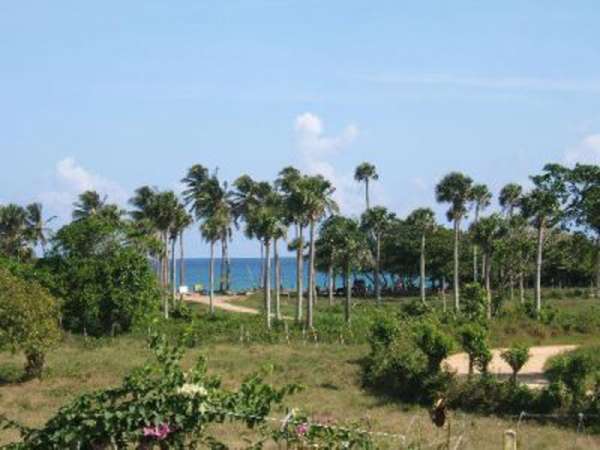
(113, 95)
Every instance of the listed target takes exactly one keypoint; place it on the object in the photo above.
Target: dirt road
(532, 373)
(220, 302)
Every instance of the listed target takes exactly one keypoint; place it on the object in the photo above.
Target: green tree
(28, 320)
(510, 198)
(364, 173)
(544, 205)
(473, 338)
(516, 357)
(481, 198)
(293, 210)
(455, 188)
(15, 235)
(38, 226)
(423, 221)
(486, 234)
(376, 222)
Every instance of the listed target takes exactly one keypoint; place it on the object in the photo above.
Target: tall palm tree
(510, 196)
(481, 198)
(376, 221)
(287, 184)
(364, 173)
(210, 229)
(486, 233)
(316, 197)
(37, 225)
(509, 199)
(423, 221)
(184, 221)
(544, 205)
(181, 220)
(455, 189)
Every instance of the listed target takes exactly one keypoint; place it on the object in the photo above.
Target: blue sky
(112, 95)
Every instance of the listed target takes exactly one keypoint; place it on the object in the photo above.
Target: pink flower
(302, 429)
(158, 432)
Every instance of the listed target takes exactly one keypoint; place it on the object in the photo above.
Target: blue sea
(245, 273)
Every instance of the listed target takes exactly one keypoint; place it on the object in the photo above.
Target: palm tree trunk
(222, 266)
(475, 274)
(267, 285)
(538, 266)
(173, 287)
(348, 305)
(311, 277)
(277, 280)
(378, 268)
(456, 274)
(262, 264)
(227, 264)
(422, 275)
(165, 275)
(299, 272)
(488, 288)
(330, 277)
(181, 263)
(211, 279)
(367, 193)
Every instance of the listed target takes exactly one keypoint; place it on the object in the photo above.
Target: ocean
(245, 273)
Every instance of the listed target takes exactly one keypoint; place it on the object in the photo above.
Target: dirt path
(221, 302)
(532, 373)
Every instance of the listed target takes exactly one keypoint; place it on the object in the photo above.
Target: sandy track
(220, 302)
(532, 373)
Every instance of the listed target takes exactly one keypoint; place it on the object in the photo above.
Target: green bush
(516, 357)
(474, 303)
(473, 338)
(28, 320)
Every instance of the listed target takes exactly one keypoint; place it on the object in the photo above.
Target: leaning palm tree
(455, 188)
(316, 197)
(481, 198)
(210, 229)
(37, 225)
(364, 173)
(181, 220)
(423, 221)
(376, 221)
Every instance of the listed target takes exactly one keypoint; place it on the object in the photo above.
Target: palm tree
(181, 220)
(326, 250)
(89, 204)
(37, 225)
(510, 196)
(351, 249)
(509, 199)
(481, 198)
(544, 206)
(363, 174)
(15, 235)
(455, 188)
(287, 184)
(210, 229)
(486, 233)
(376, 221)
(316, 197)
(423, 221)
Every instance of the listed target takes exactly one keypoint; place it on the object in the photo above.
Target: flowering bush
(162, 406)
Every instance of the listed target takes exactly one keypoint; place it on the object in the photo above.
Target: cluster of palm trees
(335, 244)
(22, 229)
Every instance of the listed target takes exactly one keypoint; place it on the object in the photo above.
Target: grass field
(329, 372)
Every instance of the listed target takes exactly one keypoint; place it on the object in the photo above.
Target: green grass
(329, 372)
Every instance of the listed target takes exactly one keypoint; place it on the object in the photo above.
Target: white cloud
(587, 151)
(317, 149)
(71, 179)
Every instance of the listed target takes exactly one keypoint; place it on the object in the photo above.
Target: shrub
(575, 370)
(516, 357)
(28, 320)
(474, 301)
(473, 338)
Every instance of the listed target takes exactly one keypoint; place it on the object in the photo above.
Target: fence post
(510, 440)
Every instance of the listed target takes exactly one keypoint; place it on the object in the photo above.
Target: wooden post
(510, 440)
